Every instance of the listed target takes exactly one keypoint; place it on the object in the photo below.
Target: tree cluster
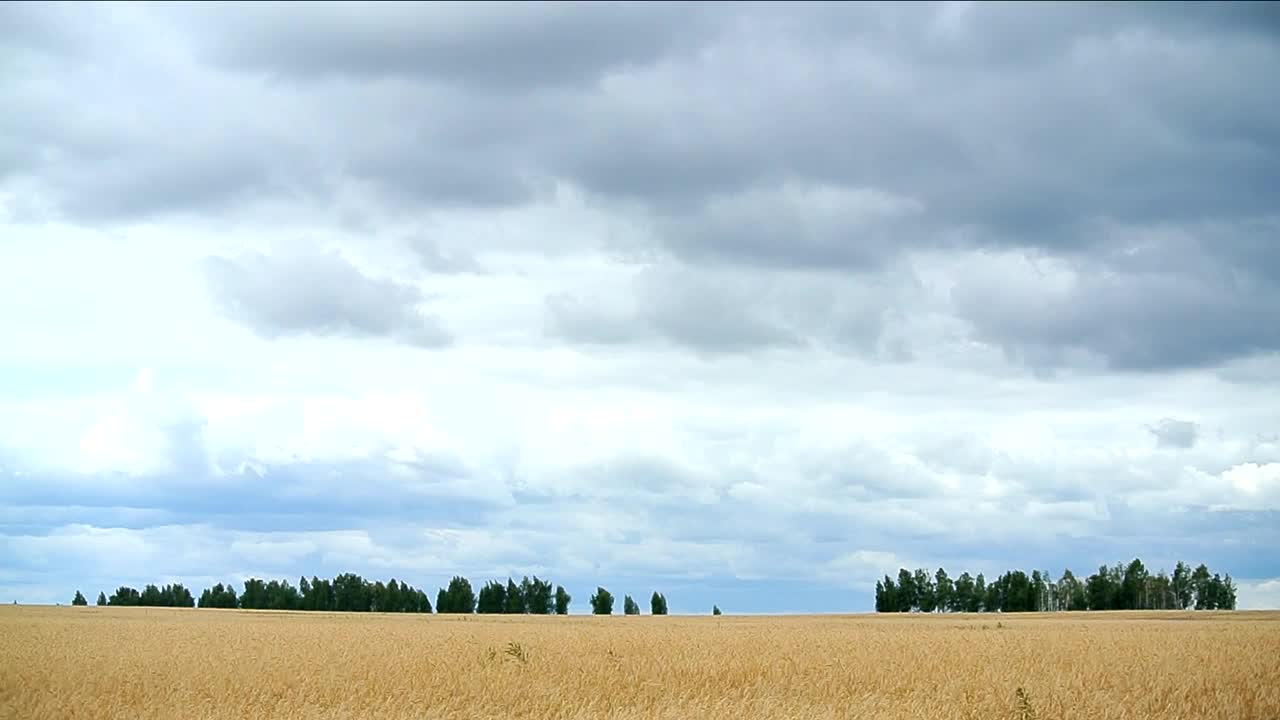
(1119, 587)
(349, 592)
(532, 597)
(174, 595)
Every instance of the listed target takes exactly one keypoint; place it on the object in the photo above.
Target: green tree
(926, 594)
(1183, 592)
(459, 598)
(514, 603)
(391, 601)
(562, 600)
(125, 596)
(978, 603)
(908, 598)
(219, 597)
(1227, 594)
(601, 602)
(79, 600)
(538, 599)
(658, 604)
(1072, 592)
(1200, 584)
(1132, 586)
(1100, 590)
(1038, 589)
(889, 598)
(943, 590)
(102, 599)
(492, 598)
(351, 593)
(715, 610)
(629, 606)
(962, 593)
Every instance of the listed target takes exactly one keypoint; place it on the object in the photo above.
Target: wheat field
(62, 662)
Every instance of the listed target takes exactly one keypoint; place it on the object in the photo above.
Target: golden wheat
(62, 663)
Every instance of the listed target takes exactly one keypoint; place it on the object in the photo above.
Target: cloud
(487, 45)
(319, 294)
(1173, 433)
(1260, 595)
(437, 260)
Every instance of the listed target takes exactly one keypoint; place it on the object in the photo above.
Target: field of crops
(63, 662)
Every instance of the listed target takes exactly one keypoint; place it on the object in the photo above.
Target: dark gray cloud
(319, 294)
(752, 136)
(1173, 433)
(494, 45)
(1132, 318)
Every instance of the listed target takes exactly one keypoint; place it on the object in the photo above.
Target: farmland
(61, 662)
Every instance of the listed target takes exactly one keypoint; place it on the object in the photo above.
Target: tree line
(174, 595)
(349, 592)
(1118, 587)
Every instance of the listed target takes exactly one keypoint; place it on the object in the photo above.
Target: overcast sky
(750, 304)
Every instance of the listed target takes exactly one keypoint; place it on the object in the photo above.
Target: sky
(750, 304)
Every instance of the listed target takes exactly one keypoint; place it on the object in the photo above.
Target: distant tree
(514, 603)
(219, 597)
(1217, 592)
(1226, 594)
(125, 596)
(629, 606)
(715, 610)
(601, 602)
(1132, 585)
(351, 593)
(887, 597)
(943, 590)
(658, 604)
(102, 599)
(562, 601)
(492, 598)
(996, 593)
(391, 598)
(79, 600)
(1183, 592)
(1038, 585)
(978, 603)
(962, 594)
(178, 595)
(1014, 592)
(1159, 592)
(1200, 584)
(926, 595)
(442, 602)
(1072, 592)
(908, 598)
(459, 598)
(537, 597)
(1099, 590)
(322, 592)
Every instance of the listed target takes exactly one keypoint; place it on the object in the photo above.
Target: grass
(160, 663)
